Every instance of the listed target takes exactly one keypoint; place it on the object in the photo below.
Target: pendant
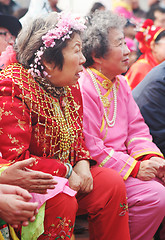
(105, 101)
(106, 84)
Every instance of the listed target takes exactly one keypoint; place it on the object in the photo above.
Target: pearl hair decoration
(111, 122)
(63, 30)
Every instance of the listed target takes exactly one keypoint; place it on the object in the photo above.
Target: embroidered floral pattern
(124, 208)
(63, 230)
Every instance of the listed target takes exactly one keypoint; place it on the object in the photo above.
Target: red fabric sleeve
(137, 72)
(148, 156)
(135, 170)
(16, 138)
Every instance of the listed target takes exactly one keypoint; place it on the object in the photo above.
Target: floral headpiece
(63, 30)
(146, 34)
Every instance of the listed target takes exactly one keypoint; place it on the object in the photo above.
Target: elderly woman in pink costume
(115, 132)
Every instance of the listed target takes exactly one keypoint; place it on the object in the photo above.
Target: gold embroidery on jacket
(58, 126)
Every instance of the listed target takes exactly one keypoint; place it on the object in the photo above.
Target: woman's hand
(151, 168)
(15, 207)
(82, 168)
(74, 181)
(34, 181)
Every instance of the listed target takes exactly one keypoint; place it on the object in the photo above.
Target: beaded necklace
(62, 137)
(111, 122)
(56, 92)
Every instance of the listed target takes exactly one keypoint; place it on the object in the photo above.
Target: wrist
(82, 164)
(69, 170)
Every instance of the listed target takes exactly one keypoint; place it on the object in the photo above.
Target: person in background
(53, 5)
(9, 29)
(42, 118)
(151, 41)
(97, 5)
(162, 3)
(133, 51)
(115, 132)
(20, 13)
(39, 8)
(123, 7)
(138, 12)
(150, 97)
(130, 29)
(157, 15)
(152, 3)
(8, 7)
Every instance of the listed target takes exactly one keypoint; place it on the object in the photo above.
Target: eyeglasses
(8, 36)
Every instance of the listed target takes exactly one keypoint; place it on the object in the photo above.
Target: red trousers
(106, 207)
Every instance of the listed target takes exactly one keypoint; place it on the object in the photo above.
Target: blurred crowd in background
(145, 38)
(144, 30)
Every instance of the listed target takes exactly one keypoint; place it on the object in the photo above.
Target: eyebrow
(79, 44)
(116, 41)
(121, 38)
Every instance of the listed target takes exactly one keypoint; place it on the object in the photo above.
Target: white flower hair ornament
(63, 30)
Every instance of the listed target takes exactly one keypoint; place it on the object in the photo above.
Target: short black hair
(96, 5)
(11, 23)
(151, 13)
(160, 36)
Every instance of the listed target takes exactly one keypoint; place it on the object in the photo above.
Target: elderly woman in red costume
(152, 45)
(115, 132)
(41, 117)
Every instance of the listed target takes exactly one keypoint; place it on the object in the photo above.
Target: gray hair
(30, 40)
(96, 37)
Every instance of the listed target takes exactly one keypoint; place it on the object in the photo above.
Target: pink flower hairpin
(63, 31)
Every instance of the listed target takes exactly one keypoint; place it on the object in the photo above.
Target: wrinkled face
(116, 60)
(159, 50)
(6, 38)
(73, 61)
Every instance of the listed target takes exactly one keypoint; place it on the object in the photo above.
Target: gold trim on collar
(107, 83)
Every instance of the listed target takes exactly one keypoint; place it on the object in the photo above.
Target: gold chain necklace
(111, 122)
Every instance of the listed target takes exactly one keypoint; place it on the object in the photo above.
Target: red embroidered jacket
(35, 124)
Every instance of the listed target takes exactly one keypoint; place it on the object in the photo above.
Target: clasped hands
(149, 169)
(81, 178)
(14, 201)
